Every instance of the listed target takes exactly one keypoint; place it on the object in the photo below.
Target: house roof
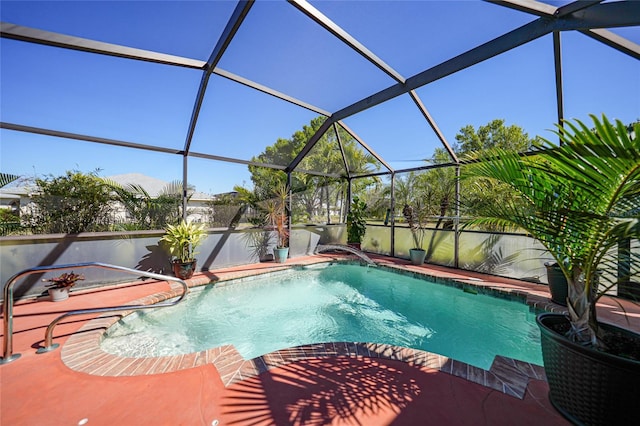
(153, 186)
(150, 184)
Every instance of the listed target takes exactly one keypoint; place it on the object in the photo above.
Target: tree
(72, 203)
(494, 135)
(313, 193)
(282, 152)
(579, 200)
(378, 196)
(275, 208)
(431, 192)
(436, 187)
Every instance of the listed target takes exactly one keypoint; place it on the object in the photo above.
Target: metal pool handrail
(8, 302)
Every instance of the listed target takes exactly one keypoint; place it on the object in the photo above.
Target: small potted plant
(356, 223)
(60, 285)
(277, 218)
(181, 241)
(414, 218)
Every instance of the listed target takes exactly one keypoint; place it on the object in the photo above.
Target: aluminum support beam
(185, 186)
(365, 146)
(434, 126)
(310, 144)
(239, 13)
(387, 173)
(615, 41)
(269, 91)
(350, 41)
(528, 6)
(456, 226)
(289, 208)
(392, 213)
(486, 51)
(429, 167)
(344, 157)
(542, 9)
(349, 199)
(345, 37)
(321, 174)
(557, 60)
(570, 8)
(624, 262)
(195, 113)
(598, 16)
(234, 160)
(605, 15)
(33, 35)
(413, 169)
(87, 138)
(230, 30)
(105, 141)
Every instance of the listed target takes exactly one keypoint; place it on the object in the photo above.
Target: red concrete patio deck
(303, 386)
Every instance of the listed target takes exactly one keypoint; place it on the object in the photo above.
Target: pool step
(515, 374)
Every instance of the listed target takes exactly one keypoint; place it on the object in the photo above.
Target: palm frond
(6, 179)
(172, 188)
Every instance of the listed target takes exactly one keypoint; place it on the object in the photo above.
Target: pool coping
(82, 351)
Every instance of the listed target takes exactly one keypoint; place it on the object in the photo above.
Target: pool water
(334, 303)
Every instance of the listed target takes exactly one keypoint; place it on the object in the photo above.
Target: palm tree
(276, 214)
(149, 212)
(579, 199)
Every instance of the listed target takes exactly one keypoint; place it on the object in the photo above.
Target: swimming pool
(337, 302)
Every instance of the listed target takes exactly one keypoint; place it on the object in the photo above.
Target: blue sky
(279, 47)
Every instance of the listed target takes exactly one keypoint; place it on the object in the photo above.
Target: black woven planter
(587, 386)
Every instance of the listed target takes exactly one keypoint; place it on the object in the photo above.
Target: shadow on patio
(365, 391)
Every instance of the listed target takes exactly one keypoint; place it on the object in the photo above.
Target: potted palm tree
(276, 216)
(580, 200)
(60, 285)
(356, 223)
(414, 218)
(181, 241)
